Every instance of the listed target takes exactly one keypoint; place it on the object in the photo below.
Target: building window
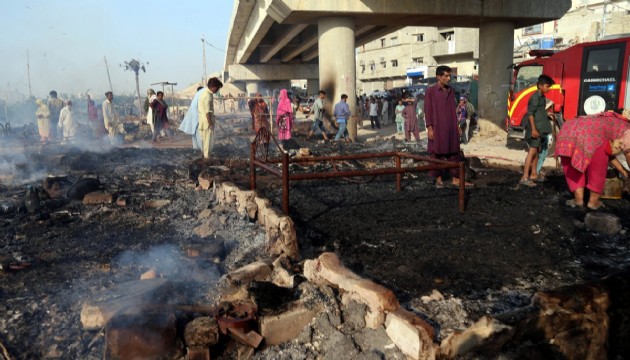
(383, 62)
(383, 42)
(532, 30)
(419, 37)
(394, 63)
(394, 41)
(448, 36)
(418, 60)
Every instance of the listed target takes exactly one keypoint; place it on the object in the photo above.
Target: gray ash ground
(489, 260)
(509, 243)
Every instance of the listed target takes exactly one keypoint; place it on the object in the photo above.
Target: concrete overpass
(273, 41)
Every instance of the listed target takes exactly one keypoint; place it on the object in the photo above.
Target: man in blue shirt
(190, 124)
(342, 113)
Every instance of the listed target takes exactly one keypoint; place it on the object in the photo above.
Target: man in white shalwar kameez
(66, 123)
(110, 119)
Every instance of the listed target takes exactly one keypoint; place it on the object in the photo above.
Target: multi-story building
(587, 20)
(411, 53)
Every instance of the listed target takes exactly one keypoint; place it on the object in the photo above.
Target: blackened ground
(77, 251)
(415, 240)
(509, 243)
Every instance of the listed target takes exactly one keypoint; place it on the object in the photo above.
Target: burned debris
(153, 253)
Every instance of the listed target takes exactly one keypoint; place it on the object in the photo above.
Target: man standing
(110, 119)
(385, 111)
(342, 114)
(379, 110)
(373, 113)
(411, 119)
(318, 110)
(66, 124)
(55, 105)
(190, 124)
(441, 121)
(207, 119)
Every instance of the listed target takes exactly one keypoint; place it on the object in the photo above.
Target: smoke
(17, 167)
(170, 262)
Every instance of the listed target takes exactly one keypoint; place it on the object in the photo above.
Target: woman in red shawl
(284, 119)
(585, 145)
(160, 115)
(261, 113)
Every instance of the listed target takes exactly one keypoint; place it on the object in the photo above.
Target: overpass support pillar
(312, 87)
(337, 65)
(496, 47)
(251, 88)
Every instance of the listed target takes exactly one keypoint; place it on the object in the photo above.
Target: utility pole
(203, 45)
(28, 74)
(108, 77)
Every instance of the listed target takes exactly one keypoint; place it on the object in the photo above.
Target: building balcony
(453, 47)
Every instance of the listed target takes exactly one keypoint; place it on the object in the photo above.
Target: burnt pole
(337, 66)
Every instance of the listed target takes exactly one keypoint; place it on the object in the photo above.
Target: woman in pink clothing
(586, 145)
(284, 118)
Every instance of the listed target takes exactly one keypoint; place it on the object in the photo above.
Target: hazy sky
(67, 40)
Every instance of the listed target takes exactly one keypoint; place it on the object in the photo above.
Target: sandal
(595, 208)
(527, 182)
(571, 203)
(539, 179)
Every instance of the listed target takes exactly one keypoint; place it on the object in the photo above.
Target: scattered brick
(97, 197)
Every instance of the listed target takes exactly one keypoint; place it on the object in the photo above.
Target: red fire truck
(589, 78)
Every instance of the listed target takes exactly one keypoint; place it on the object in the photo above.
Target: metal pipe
(344, 157)
(267, 164)
(384, 171)
(422, 158)
(252, 165)
(366, 156)
(271, 169)
(462, 186)
(398, 176)
(285, 183)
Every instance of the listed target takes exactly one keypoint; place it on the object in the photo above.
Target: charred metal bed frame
(259, 157)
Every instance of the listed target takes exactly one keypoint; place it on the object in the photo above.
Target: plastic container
(613, 189)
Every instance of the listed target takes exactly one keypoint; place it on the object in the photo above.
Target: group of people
(57, 121)
(229, 103)
(54, 119)
(376, 108)
(586, 146)
(157, 115)
(438, 110)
